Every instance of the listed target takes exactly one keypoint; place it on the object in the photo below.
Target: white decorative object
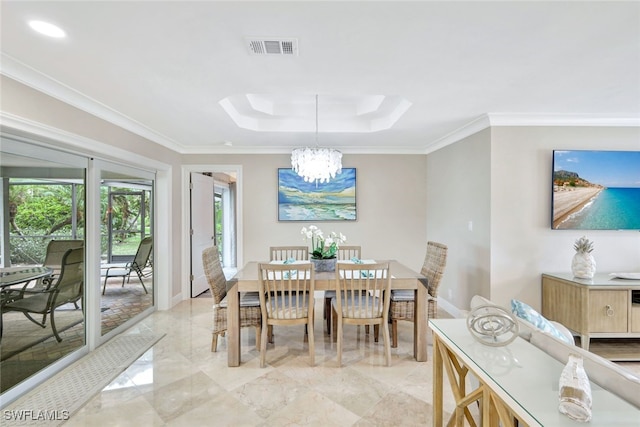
(316, 164)
(575, 390)
(323, 247)
(583, 265)
(492, 325)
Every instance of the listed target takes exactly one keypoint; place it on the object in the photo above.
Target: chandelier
(316, 164)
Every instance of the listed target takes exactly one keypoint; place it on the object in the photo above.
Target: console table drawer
(608, 311)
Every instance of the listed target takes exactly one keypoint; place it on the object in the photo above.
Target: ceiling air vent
(272, 46)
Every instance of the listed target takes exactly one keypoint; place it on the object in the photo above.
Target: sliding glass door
(43, 208)
(126, 249)
(54, 203)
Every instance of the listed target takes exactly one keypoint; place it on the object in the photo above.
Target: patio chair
(403, 301)
(66, 288)
(286, 299)
(250, 314)
(140, 261)
(362, 298)
(56, 249)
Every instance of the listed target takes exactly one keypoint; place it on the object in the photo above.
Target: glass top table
(526, 379)
(15, 275)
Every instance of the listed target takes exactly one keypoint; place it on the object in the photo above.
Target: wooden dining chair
(250, 313)
(344, 253)
(286, 299)
(362, 298)
(403, 302)
(283, 253)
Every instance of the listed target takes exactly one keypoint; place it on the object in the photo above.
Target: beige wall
(505, 175)
(391, 203)
(459, 193)
(523, 245)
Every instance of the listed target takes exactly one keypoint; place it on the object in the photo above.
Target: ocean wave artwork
(309, 201)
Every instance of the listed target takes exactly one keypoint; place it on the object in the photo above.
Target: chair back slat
(283, 253)
(348, 252)
(286, 290)
(365, 289)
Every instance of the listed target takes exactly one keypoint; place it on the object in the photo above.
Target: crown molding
(474, 126)
(524, 119)
(287, 150)
(32, 78)
(38, 133)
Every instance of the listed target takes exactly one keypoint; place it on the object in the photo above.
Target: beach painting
(309, 201)
(596, 190)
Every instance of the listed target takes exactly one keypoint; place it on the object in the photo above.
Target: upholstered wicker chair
(362, 298)
(249, 302)
(286, 299)
(403, 301)
(283, 253)
(344, 253)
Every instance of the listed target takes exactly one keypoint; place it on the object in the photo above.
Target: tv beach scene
(596, 190)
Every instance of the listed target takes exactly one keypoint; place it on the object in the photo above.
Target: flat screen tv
(596, 190)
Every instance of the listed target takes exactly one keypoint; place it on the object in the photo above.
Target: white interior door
(202, 232)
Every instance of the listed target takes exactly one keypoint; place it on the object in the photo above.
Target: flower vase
(324, 264)
(583, 265)
(575, 390)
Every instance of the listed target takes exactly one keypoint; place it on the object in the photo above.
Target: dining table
(402, 277)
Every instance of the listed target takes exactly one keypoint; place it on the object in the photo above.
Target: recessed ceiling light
(47, 29)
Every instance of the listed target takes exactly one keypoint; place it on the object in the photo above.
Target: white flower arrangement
(322, 247)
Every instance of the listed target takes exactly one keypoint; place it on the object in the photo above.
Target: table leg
(437, 383)
(420, 325)
(584, 341)
(233, 326)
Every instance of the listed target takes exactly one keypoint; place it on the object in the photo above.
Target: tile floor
(181, 382)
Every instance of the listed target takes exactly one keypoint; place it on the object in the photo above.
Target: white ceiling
(161, 68)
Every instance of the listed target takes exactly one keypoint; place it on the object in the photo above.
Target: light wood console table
(518, 384)
(601, 307)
